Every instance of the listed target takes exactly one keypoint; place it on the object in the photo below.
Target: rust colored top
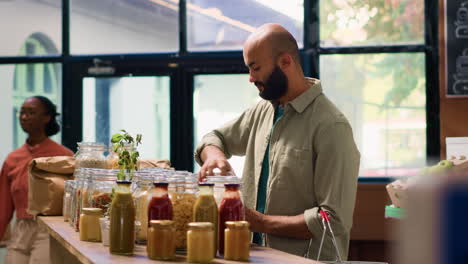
(14, 178)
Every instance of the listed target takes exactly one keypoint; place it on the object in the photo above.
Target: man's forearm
(287, 226)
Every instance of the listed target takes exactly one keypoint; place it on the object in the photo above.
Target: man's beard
(276, 85)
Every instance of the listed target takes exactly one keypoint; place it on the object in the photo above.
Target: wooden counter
(66, 247)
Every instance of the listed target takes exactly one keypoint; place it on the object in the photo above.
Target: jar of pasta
(200, 242)
(161, 240)
(91, 155)
(183, 196)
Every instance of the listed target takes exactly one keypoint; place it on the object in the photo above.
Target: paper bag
(46, 184)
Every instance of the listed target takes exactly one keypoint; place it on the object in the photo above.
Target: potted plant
(124, 145)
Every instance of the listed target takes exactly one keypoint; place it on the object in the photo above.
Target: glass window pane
(212, 110)
(371, 22)
(137, 26)
(383, 96)
(112, 104)
(38, 23)
(15, 82)
(225, 25)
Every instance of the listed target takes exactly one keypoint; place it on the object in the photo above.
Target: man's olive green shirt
(314, 164)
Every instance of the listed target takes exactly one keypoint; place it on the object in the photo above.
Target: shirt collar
(301, 102)
(37, 146)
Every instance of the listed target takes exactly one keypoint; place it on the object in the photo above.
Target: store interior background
(382, 62)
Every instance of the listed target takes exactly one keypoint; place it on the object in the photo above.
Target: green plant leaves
(124, 145)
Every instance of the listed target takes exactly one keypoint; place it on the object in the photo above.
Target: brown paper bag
(154, 163)
(46, 183)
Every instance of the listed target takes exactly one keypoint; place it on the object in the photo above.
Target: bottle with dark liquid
(160, 206)
(122, 220)
(231, 209)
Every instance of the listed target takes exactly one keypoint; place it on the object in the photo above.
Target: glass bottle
(122, 220)
(90, 155)
(237, 240)
(160, 206)
(219, 182)
(200, 242)
(161, 240)
(206, 210)
(90, 229)
(231, 209)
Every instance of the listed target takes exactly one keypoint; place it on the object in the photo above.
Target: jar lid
(237, 224)
(124, 182)
(201, 225)
(92, 211)
(206, 184)
(162, 223)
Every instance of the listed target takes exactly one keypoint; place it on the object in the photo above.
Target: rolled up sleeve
(6, 201)
(335, 178)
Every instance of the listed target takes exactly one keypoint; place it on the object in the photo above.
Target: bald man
(300, 153)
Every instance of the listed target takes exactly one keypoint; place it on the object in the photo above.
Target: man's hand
(256, 220)
(212, 158)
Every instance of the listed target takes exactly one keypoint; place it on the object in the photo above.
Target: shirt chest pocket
(295, 169)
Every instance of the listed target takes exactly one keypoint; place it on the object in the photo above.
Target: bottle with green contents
(122, 220)
(206, 209)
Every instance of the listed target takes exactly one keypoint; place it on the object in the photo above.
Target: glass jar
(82, 178)
(231, 209)
(142, 190)
(90, 155)
(219, 182)
(161, 240)
(183, 198)
(90, 229)
(100, 189)
(122, 220)
(200, 242)
(206, 210)
(237, 240)
(76, 176)
(67, 198)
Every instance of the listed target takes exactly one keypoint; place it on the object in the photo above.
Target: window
(174, 61)
(137, 26)
(382, 94)
(136, 104)
(225, 25)
(213, 107)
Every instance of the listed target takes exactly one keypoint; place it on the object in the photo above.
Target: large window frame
(182, 65)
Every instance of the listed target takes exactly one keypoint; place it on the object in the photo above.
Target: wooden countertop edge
(257, 252)
(80, 256)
